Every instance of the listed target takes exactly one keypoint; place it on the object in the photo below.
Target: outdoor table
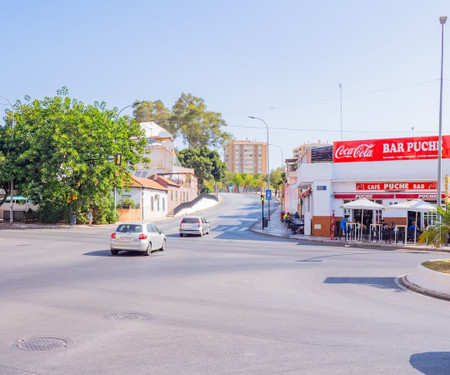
(397, 228)
(376, 228)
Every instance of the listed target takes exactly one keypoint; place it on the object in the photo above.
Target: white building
(386, 171)
(151, 198)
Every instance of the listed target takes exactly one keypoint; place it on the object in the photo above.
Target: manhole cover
(128, 316)
(42, 344)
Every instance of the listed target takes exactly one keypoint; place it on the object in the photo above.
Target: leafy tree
(248, 180)
(60, 155)
(238, 181)
(437, 234)
(197, 126)
(276, 179)
(206, 163)
(157, 112)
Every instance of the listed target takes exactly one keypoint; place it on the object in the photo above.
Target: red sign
(424, 196)
(390, 149)
(396, 186)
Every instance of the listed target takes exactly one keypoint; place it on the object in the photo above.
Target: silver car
(137, 236)
(194, 225)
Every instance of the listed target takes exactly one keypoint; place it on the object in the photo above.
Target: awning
(305, 193)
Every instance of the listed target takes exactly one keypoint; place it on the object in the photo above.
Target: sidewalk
(276, 228)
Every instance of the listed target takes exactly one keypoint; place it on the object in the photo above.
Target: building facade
(150, 196)
(246, 157)
(386, 171)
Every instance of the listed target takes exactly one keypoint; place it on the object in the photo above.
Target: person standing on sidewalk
(344, 226)
(90, 218)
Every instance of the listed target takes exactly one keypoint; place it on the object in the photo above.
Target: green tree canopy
(206, 163)
(276, 179)
(437, 234)
(59, 149)
(157, 112)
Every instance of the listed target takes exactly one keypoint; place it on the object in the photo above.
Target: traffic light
(118, 159)
(262, 198)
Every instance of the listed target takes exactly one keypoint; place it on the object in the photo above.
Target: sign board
(413, 148)
(423, 196)
(268, 195)
(319, 154)
(321, 187)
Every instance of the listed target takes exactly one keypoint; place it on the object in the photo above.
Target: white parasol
(363, 204)
(415, 205)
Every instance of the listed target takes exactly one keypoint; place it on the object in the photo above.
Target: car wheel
(148, 250)
(163, 247)
(114, 252)
(181, 234)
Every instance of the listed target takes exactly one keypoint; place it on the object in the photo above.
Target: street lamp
(117, 117)
(11, 210)
(128, 106)
(442, 20)
(282, 157)
(268, 170)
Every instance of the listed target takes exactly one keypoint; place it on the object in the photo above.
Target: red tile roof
(168, 181)
(148, 183)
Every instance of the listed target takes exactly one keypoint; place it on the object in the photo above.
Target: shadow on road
(377, 282)
(431, 363)
(107, 253)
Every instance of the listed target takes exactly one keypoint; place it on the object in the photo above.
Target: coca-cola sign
(390, 149)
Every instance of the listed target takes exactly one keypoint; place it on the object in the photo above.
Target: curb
(404, 282)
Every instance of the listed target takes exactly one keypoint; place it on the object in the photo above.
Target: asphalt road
(231, 302)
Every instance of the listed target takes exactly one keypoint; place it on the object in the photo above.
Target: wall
(321, 226)
(129, 214)
(159, 208)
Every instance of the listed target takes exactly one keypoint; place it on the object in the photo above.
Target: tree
(437, 234)
(276, 179)
(147, 111)
(60, 155)
(206, 163)
(197, 126)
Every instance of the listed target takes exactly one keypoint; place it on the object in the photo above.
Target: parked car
(137, 236)
(194, 225)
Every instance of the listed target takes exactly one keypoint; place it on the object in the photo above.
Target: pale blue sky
(281, 61)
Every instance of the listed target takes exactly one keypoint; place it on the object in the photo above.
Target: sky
(279, 61)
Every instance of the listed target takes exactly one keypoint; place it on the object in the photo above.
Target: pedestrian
(90, 218)
(344, 226)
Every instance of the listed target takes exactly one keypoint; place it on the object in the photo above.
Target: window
(164, 204)
(152, 203)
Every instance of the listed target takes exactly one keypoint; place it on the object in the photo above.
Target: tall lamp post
(442, 20)
(282, 157)
(340, 87)
(268, 170)
(11, 209)
(117, 117)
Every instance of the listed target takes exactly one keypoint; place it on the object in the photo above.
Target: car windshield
(124, 228)
(190, 220)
